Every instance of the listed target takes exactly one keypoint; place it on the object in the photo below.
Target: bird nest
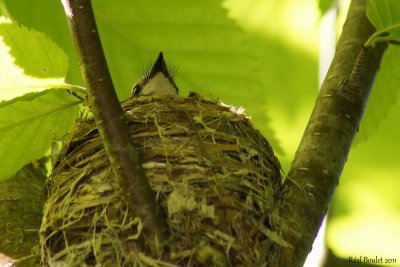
(215, 177)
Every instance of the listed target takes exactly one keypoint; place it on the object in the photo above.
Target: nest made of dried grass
(216, 178)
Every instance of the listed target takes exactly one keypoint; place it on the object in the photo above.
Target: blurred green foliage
(267, 66)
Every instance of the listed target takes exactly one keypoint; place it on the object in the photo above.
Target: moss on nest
(216, 178)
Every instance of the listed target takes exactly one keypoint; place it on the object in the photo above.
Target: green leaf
(384, 95)
(385, 16)
(29, 123)
(325, 5)
(29, 61)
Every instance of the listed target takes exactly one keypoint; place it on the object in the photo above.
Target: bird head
(158, 80)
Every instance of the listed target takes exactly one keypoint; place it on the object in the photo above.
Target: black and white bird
(158, 80)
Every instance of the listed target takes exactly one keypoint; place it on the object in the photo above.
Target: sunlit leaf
(383, 13)
(385, 16)
(29, 123)
(29, 61)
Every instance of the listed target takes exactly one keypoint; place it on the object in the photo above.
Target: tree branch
(327, 140)
(111, 122)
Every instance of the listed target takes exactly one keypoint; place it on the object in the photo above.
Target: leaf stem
(376, 36)
(71, 87)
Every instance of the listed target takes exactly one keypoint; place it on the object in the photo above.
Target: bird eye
(136, 90)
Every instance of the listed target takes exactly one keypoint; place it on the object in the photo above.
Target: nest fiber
(215, 177)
